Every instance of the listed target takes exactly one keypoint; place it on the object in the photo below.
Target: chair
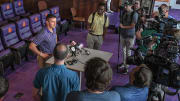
(43, 16)
(63, 24)
(11, 40)
(6, 58)
(35, 23)
(76, 18)
(8, 13)
(23, 29)
(2, 21)
(42, 5)
(19, 8)
(55, 11)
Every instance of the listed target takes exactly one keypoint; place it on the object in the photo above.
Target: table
(82, 58)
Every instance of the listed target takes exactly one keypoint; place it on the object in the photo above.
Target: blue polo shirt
(46, 40)
(56, 82)
(87, 96)
(131, 93)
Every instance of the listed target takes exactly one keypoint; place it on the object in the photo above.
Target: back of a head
(4, 85)
(142, 77)
(98, 74)
(177, 34)
(172, 32)
(60, 51)
(49, 16)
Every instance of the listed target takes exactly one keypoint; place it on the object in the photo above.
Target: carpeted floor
(21, 79)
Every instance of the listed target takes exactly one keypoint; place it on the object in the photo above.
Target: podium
(81, 58)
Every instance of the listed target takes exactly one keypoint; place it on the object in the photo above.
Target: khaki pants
(41, 62)
(126, 43)
(94, 42)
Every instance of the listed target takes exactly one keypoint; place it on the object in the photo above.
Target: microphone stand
(119, 32)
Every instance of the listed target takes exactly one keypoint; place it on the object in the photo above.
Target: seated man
(98, 74)
(56, 81)
(137, 90)
(4, 85)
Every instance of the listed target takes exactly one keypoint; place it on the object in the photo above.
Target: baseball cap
(127, 3)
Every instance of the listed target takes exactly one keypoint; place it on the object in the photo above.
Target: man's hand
(44, 55)
(121, 26)
(141, 30)
(73, 43)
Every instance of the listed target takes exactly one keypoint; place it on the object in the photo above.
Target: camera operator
(128, 21)
(174, 33)
(141, 19)
(163, 17)
(138, 87)
(164, 11)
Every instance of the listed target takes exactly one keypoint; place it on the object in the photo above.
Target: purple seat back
(35, 23)
(43, 16)
(7, 11)
(1, 46)
(23, 29)
(18, 7)
(9, 35)
(1, 19)
(55, 11)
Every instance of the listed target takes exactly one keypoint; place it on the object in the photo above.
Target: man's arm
(35, 93)
(89, 23)
(37, 85)
(106, 26)
(33, 47)
(127, 27)
(134, 21)
(88, 26)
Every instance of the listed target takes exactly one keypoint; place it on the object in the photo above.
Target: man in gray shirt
(128, 21)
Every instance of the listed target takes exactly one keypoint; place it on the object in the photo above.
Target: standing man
(45, 41)
(127, 24)
(56, 81)
(97, 26)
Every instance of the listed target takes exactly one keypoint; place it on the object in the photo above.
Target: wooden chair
(76, 18)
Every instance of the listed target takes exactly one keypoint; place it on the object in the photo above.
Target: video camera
(161, 61)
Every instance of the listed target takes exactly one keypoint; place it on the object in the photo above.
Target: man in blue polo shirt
(138, 87)
(46, 41)
(56, 81)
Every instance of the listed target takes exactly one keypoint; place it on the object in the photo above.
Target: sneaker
(121, 66)
(125, 71)
(110, 11)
